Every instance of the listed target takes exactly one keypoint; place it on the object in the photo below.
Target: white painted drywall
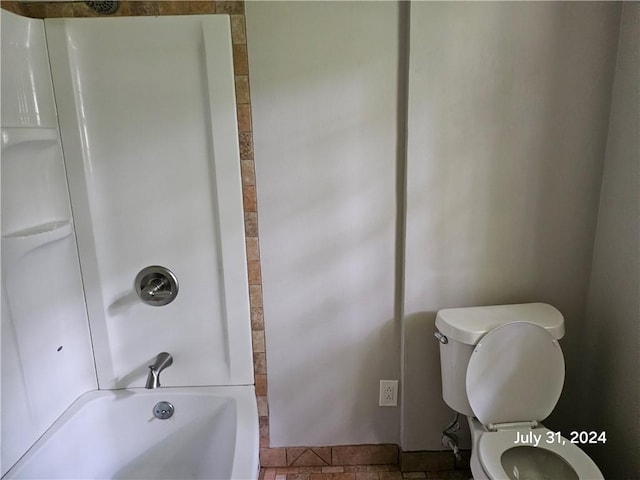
(508, 119)
(324, 95)
(610, 384)
(508, 115)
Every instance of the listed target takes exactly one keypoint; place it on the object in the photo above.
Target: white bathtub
(113, 434)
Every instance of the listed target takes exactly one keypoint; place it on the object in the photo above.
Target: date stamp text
(532, 438)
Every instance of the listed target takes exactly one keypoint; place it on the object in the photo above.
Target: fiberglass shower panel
(46, 349)
(147, 114)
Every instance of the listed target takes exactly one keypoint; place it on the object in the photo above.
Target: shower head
(104, 8)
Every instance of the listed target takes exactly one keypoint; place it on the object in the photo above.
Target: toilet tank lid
(469, 324)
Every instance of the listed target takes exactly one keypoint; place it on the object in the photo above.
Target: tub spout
(163, 360)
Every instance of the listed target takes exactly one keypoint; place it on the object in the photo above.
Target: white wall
(610, 344)
(508, 119)
(508, 114)
(323, 91)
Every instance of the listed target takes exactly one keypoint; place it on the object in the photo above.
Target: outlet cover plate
(388, 393)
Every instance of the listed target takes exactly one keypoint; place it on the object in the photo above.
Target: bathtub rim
(246, 449)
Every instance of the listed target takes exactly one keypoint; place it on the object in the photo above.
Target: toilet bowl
(496, 455)
(503, 368)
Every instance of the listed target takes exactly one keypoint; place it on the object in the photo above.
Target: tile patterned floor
(357, 472)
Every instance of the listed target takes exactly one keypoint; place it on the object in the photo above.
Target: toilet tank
(462, 329)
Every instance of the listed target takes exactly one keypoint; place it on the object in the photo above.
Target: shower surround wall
(158, 184)
(235, 11)
(46, 349)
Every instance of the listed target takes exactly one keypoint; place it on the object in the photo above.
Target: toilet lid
(515, 374)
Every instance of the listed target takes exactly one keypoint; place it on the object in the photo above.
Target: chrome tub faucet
(163, 360)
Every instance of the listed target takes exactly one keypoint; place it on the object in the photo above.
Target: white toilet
(503, 368)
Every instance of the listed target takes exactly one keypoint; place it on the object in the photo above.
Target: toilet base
(476, 429)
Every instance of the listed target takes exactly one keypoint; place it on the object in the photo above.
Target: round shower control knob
(156, 285)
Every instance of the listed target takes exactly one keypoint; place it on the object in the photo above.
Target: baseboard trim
(370, 454)
(433, 461)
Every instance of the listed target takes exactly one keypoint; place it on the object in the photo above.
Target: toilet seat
(492, 445)
(514, 380)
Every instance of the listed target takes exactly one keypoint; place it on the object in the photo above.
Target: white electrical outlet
(388, 393)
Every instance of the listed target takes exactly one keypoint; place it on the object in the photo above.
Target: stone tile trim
(379, 454)
(359, 472)
(127, 8)
(335, 457)
(236, 11)
(12, 6)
